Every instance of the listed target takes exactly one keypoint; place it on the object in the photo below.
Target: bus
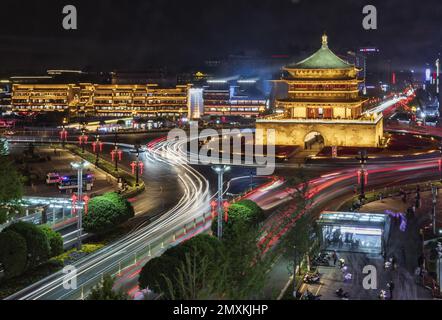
(70, 182)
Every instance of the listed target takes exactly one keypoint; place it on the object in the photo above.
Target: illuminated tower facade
(323, 104)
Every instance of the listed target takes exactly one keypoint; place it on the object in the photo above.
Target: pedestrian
(335, 258)
(390, 286)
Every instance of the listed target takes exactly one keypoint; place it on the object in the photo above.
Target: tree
(155, 273)
(169, 274)
(244, 212)
(244, 266)
(106, 212)
(36, 242)
(300, 236)
(298, 220)
(13, 253)
(11, 186)
(103, 291)
(194, 279)
(55, 241)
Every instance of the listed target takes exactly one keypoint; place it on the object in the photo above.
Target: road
(148, 239)
(190, 213)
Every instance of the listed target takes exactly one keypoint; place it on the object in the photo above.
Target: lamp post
(362, 173)
(116, 154)
(82, 140)
(97, 147)
(79, 166)
(63, 134)
(220, 170)
(137, 166)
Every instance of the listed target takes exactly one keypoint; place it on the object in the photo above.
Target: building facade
(323, 104)
(102, 99)
(233, 98)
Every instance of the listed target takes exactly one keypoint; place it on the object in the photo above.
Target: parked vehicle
(340, 293)
(52, 178)
(307, 295)
(312, 278)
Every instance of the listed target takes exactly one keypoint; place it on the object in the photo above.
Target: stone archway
(314, 139)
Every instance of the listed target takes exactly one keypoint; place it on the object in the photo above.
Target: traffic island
(129, 186)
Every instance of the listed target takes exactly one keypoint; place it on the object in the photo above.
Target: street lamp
(362, 173)
(220, 170)
(79, 166)
(137, 166)
(116, 154)
(63, 134)
(82, 140)
(97, 147)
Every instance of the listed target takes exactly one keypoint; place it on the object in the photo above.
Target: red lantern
(359, 177)
(440, 164)
(74, 203)
(141, 165)
(101, 146)
(63, 134)
(120, 155)
(226, 206)
(86, 202)
(213, 206)
(113, 154)
(133, 165)
(94, 145)
(366, 177)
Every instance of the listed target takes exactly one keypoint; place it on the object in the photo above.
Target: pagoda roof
(324, 58)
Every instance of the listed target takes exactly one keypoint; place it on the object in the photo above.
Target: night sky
(137, 34)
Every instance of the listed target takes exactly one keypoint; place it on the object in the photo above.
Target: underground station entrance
(354, 232)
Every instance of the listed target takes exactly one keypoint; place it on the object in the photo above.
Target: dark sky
(135, 34)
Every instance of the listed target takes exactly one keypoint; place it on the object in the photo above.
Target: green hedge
(37, 243)
(55, 241)
(106, 212)
(244, 212)
(13, 253)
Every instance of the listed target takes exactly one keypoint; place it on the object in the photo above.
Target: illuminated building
(102, 99)
(195, 103)
(233, 98)
(323, 105)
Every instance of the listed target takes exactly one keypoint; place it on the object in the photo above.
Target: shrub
(241, 214)
(55, 241)
(13, 253)
(106, 212)
(36, 242)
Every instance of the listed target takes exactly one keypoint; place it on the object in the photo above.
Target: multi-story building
(233, 98)
(323, 105)
(42, 97)
(102, 99)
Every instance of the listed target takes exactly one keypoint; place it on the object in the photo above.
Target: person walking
(334, 257)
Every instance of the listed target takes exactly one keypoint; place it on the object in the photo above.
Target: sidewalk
(406, 246)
